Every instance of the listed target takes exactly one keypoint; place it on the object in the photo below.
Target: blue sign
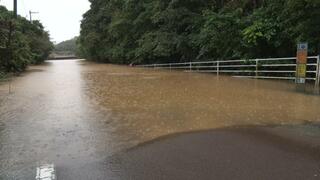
(303, 46)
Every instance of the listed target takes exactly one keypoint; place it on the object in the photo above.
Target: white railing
(271, 68)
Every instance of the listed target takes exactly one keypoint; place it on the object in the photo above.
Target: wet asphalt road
(92, 120)
(240, 153)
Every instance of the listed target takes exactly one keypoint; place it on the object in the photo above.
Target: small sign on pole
(302, 57)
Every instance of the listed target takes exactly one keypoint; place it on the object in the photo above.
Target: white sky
(60, 17)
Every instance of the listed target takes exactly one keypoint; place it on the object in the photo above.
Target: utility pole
(30, 14)
(15, 8)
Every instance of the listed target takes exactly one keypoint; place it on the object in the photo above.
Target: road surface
(98, 121)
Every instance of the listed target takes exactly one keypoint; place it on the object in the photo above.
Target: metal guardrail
(271, 68)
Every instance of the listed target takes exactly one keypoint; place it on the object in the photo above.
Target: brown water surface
(70, 111)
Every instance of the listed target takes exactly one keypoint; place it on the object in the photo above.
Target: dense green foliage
(145, 31)
(68, 47)
(28, 43)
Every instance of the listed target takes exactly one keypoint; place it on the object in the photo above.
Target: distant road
(64, 58)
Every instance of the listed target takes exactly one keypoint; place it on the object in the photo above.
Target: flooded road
(77, 114)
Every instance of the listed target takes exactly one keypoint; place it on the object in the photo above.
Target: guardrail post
(190, 66)
(170, 67)
(318, 72)
(257, 68)
(218, 68)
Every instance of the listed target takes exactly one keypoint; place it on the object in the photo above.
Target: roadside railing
(271, 68)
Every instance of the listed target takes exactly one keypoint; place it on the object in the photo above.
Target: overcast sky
(60, 17)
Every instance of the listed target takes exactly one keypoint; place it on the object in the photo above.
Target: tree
(155, 31)
(27, 43)
(68, 47)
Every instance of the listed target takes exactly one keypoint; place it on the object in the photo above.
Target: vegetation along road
(79, 119)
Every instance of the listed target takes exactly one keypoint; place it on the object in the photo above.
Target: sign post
(302, 57)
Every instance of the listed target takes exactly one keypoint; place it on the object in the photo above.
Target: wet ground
(98, 121)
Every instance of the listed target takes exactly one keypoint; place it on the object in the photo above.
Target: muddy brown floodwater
(75, 113)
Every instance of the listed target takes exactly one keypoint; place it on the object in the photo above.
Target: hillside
(66, 48)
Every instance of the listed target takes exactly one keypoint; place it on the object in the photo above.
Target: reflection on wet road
(76, 113)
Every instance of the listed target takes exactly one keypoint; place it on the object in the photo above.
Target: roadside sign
(303, 46)
(302, 58)
(301, 70)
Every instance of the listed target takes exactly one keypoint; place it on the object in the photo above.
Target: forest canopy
(155, 31)
(21, 42)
